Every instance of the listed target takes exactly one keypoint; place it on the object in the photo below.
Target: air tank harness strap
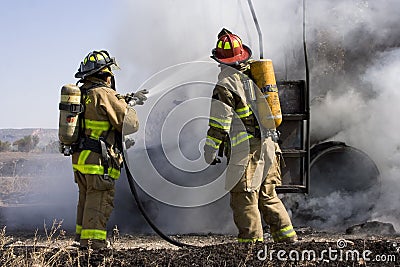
(104, 156)
(97, 146)
(73, 108)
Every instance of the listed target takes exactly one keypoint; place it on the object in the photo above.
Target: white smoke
(367, 123)
(44, 192)
(354, 58)
(377, 130)
(352, 52)
(355, 95)
(151, 37)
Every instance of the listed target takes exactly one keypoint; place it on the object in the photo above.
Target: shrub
(5, 146)
(27, 143)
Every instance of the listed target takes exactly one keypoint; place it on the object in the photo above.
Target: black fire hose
(307, 102)
(143, 211)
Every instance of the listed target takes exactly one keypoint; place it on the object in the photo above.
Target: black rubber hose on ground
(143, 211)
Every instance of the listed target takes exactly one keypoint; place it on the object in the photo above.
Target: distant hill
(46, 136)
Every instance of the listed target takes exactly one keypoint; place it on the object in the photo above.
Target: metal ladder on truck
(295, 136)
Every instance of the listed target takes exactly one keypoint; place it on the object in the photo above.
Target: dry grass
(51, 250)
(13, 187)
(54, 249)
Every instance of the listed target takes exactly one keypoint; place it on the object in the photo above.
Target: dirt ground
(313, 249)
(55, 246)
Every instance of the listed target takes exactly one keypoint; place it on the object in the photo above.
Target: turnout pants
(95, 204)
(249, 206)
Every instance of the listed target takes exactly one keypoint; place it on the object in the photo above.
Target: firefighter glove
(129, 142)
(137, 98)
(210, 156)
(215, 161)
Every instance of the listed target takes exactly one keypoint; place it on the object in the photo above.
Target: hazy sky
(42, 43)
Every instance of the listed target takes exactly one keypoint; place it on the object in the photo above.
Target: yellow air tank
(70, 107)
(263, 74)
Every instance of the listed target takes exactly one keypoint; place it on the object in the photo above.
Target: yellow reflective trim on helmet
(92, 58)
(220, 44)
(227, 45)
(100, 56)
(236, 43)
(94, 234)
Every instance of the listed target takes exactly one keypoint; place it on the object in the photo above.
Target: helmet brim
(233, 60)
(113, 65)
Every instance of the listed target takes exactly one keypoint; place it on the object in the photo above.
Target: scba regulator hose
(143, 211)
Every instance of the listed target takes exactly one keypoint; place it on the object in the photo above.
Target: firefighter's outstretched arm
(137, 98)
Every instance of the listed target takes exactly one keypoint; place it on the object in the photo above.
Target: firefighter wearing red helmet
(253, 157)
(230, 50)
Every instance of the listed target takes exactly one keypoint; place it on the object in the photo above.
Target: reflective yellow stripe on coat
(96, 130)
(240, 138)
(244, 112)
(213, 142)
(224, 124)
(96, 169)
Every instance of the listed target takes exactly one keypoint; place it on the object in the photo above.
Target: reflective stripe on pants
(95, 204)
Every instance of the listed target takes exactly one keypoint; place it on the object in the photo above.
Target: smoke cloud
(354, 73)
(162, 36)
(37, 189)
(352, 49)
(354, 53)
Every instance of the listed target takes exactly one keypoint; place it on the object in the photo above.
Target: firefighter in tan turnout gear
(256, 162)
(96, 157)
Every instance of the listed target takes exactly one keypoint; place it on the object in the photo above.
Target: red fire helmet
(230, 50)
